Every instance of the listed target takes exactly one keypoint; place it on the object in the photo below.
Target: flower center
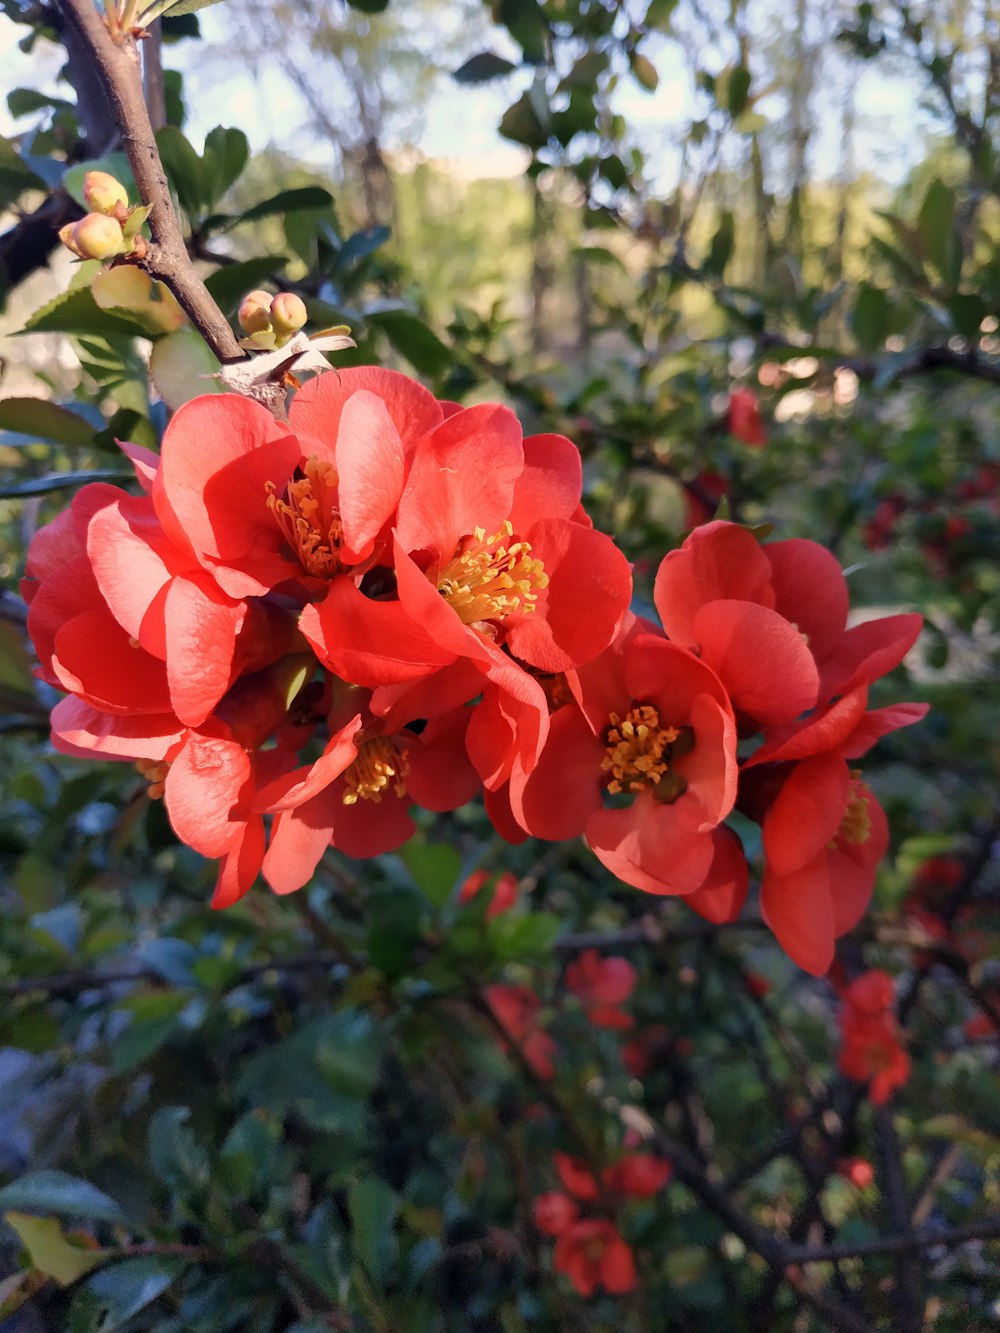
(638, 752)
(856, 825)
(489, 578)
(307, 514)
(378, 765)
(155, 772)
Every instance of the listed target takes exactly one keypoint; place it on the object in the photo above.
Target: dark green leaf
(76, 311)
(434, 866)
(737, 90)
(373, 1207)
(411, 336)
(47, 421)
(520, 123)
(15, 176)
(525, 22)
(938, 233)
(56, 1192)
(967, 312)
(721, 249)
(187, 172)
(118, 1292)
(361, 245)
(369, 6)
(483, 67)
(23, 101)
(225, 156)
(870, 317)
(288, 201)
(174, 1153)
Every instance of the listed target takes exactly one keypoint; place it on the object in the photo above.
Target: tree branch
(167, 257)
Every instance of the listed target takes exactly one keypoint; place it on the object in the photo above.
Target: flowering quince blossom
(870, 1047)
(504, 895)
(602, 985)
(744, 419)
(516, 1010)
(299, 630)
(592, 1254)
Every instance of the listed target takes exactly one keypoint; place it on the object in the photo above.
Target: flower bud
(66, 236)
(102, 193)
(288, 313)
(97, 237)
(255, 312)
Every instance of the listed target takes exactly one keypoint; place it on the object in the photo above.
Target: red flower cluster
(301, 630)
(870, 1045)
(643, 741)
(589, 1249)
(293, 622)
(504, 893)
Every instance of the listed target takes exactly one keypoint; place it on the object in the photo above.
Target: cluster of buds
(270, 321)
(111, 228)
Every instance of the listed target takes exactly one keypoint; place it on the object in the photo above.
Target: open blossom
(504, 892)
(744, 419)
(516, 1009)
(602, 985)
(649, 724)
(871, 1051)
(592, 1254)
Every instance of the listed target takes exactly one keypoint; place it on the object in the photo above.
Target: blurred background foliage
(299, 1114)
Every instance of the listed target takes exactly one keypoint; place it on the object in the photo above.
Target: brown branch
(152, 76)
(911, 1243)
(167, 257)
(909, 1302)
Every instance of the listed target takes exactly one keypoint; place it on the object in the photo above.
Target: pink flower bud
(255, 312)
(288, 312)
(102, 193)
(66, 236)
(97, 237)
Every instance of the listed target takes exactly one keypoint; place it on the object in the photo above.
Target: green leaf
(521, 936)
(180, 367)
(57, 1192)
(155, 1018)
(870, 317)
(15, 175)
(173, 8)
(369, 6)
(288, 201)
(394, 930)
(77, 312)
(967, 312)
(174, 1153)
(225, 156)
(118, 1292)
(361, 245)
(188, 173)
(720, 251)
(47, 421)
(483, 67)
(373, 1206)
(410, 336)
(521, 123)
(24, 101)
(434, 866)
(525, 22)
(115, 164)
(737, 90)
(49, 1250)
(936, 224)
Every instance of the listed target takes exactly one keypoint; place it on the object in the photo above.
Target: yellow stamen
(637, 749)
(155, 772)
(377, 765)
(309, 518)
(856, 825)
(490, 580)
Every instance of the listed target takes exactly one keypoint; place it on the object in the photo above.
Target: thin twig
(117, 65)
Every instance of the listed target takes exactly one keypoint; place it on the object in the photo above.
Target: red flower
(638, 1176)
(860, 1173)
(504, 895)
(745, 423)
(824, 835)
(554, 1212)
(516, 1010)
(601, 985)
(653, 726)
(576, 1176)
(870, 1049)
(592, 1254)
